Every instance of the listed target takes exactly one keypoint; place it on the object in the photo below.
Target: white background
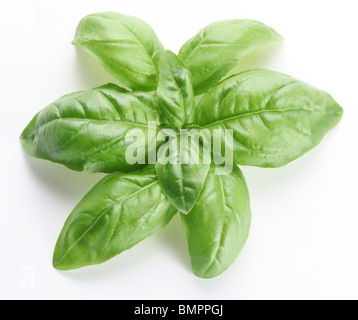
(304, 234)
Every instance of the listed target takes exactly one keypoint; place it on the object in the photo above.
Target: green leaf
(119, 212)
(86, 130)
(183, 172)
(216, 49)
(176, 100)
(126, 47)
(218, 226)
(275, 118)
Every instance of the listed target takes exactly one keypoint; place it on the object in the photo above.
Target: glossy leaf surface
(183, 175)
(86, 130)
(216, 49)
(218, 226)
(176, 100)
(274, 117)
(126, 47)
(120, 211)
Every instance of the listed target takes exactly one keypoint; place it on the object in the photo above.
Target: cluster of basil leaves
(275, 119)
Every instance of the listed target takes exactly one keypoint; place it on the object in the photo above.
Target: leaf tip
(27, 137)
(76, 40)
(57, 265)
(61, 264)
(277, 37)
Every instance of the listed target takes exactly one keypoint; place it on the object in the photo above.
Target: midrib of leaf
(259, 112)
(146, 215)
(182, 121)
(199, 193)
(182, 197)
(219, 244)
(96, 120)
(206, 97)
(103, 213)
(203, 38)
(112, 101)
(193, 49)
(249, 77)
(219, 63)
(133, 34)
(213, 44)
(102, 147)
(122, 65)
(159, 201)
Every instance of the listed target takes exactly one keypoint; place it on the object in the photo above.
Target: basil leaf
(86, 130)
(218, 226)
(216, 49)
(182, 174)
(119, 212)
(275, 119)
(176, 100)
(126, 47)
